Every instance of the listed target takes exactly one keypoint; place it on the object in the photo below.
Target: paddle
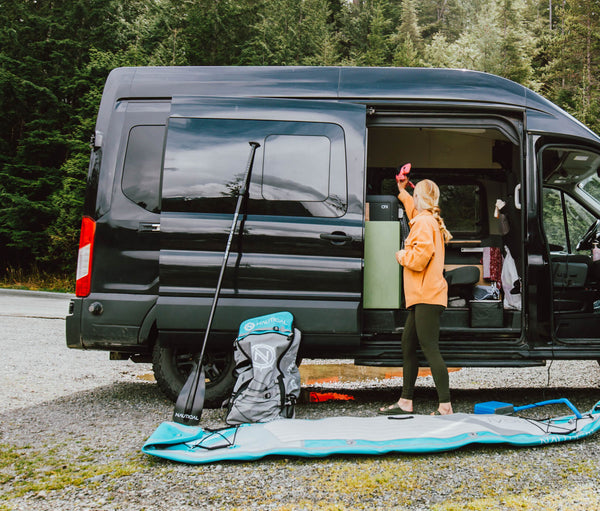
(190, 402)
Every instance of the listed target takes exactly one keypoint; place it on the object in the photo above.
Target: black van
(520, 186)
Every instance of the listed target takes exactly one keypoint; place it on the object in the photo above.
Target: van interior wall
(432, 148)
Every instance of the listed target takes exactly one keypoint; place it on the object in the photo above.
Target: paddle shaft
(246, 184)
(194, 401)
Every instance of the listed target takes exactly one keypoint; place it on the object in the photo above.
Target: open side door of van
(301, 228)
(569, 180)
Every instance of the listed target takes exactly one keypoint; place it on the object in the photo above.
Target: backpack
(268, 379)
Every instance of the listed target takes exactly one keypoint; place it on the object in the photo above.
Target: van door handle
(518, 196)
(148, 227)
(336, 238)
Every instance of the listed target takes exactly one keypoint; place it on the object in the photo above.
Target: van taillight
(84, 258)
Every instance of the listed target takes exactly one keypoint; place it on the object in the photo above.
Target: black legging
(423, 328)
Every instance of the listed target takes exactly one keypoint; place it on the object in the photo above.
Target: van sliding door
(302, 224)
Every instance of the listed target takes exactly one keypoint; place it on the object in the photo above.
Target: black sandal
(394, 410)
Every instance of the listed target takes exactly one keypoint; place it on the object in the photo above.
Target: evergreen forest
(56, 54)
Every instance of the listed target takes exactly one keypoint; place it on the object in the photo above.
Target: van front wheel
(172, 366)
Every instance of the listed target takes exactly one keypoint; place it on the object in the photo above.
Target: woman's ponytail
(445, 232)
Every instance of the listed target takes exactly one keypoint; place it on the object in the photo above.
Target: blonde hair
(428, 197)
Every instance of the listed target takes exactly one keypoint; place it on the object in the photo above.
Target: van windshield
(591, 186)
(571, 200)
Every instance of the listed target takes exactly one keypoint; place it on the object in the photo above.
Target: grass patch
(36, 280)
(24, 470)
(503, 482)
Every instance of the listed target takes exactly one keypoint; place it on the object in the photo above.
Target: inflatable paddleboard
(363, 435)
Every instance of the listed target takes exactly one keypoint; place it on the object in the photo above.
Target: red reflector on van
(84, 258)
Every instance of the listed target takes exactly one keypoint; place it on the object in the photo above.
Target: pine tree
(365, 31)
(36, 48)
(378, 49)
(407, 41)
(574, 66)
(47, 94)
(516, 46)
(317, 38)
(438, 53)
(275, 34)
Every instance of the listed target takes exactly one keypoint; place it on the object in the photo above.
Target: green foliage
(571, 74)
(42, 99)
(216, 32)
(407, 41)
(55, 56)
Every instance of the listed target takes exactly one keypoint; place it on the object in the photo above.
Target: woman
(426, 294)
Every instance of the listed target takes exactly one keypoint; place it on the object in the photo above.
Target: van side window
(299, 170)
(141, 170)
(296, 167)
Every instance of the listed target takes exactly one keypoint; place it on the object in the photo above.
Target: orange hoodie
(423, 260)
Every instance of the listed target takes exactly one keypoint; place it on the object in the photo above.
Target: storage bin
(486, 313)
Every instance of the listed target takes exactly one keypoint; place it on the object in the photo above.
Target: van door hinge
(370, 110)
(148, 227)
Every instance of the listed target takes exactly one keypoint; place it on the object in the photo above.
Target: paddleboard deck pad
(362, 435)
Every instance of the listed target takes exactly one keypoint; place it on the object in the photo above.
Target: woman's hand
(400, 255)
(402, 184)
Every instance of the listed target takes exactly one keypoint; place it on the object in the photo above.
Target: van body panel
(537, 267)
(413, 86)
(544, 117)
(430, 85)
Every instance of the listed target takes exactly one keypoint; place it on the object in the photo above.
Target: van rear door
(301, 248)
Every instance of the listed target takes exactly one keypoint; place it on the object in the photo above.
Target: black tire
(172, 366)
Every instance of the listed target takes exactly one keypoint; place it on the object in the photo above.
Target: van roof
(375, 86)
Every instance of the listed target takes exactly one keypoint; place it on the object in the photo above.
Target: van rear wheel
(172, 366)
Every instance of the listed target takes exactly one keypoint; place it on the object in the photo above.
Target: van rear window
(462, 208)
(299, 169)
(141, 170)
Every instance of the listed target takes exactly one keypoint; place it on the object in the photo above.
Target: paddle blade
(190, 402)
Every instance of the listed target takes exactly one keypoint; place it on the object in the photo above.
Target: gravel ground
(72, 424)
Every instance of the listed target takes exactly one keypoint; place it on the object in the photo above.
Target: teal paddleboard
(363, 435)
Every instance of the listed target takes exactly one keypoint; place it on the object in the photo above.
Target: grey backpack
(268, 379)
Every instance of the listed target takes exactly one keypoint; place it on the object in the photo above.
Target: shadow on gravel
(143, 402)
(463, 400)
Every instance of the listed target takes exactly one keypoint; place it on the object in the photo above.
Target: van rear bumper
(73, 322)
(107, 321)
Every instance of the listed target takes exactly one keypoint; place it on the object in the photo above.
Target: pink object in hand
(403, 174)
